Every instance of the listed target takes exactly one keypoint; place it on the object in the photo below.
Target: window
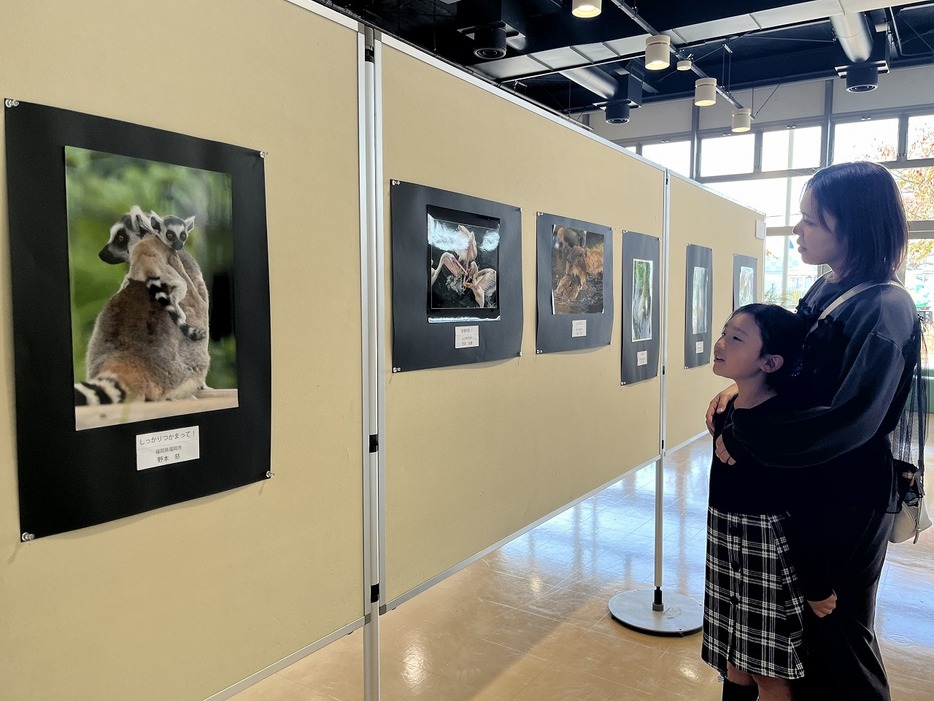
(921, 136)
(786, 276)
(673, 154)
(791, 148)
(917, 188)
(870, 140)
(777, 197)
(725, 155)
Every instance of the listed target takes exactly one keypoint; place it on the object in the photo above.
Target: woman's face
(737, 354)
(818, 244)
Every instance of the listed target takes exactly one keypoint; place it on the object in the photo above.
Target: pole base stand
(680, 615)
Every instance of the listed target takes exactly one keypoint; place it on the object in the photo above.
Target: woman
(855, 374)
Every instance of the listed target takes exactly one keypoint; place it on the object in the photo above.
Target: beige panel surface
(475, 453)
(178, 603)
(703, 218)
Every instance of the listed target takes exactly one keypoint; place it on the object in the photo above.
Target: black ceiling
(572, 65)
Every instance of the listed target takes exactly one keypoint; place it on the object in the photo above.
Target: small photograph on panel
(642, 300)
(463, 266)
(576, 271)
(747, 281)
(699, 301)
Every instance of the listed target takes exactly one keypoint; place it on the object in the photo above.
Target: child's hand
(721, 452)
(825, 607)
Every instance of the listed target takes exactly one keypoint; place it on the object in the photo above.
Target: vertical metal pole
(647, 611)
(371, 299)
(657, 604)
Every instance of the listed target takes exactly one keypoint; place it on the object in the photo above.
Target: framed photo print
(145, 381)
(641, 307)
(745, 283)
(698, 306)
(574, 296)
(456, 278)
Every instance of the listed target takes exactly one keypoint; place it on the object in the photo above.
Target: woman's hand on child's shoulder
(719, 404)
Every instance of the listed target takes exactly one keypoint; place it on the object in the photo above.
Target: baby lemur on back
(155, 260)
(136, 352)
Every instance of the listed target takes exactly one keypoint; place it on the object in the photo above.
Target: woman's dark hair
(782, 334)
(864, 199)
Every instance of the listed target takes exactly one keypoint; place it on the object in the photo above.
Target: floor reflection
(529, 621)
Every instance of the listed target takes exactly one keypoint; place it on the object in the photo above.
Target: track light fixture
(658, 52)
(705, 92)
(685, 64)
(586, 8)
(742, 120)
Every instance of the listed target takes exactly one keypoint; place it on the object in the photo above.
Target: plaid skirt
(753, 608)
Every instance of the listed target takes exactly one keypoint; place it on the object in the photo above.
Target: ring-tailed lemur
(155, 260)
(135, 351)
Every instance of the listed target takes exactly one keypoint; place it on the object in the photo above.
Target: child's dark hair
(782, 334)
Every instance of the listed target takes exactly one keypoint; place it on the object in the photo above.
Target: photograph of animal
(699, 300)
(155, 260)
(157, 321)
(459, 255)
(577, 271)
(642, 272)
(137, 350)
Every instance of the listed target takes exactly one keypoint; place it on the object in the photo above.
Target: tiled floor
(529, 621)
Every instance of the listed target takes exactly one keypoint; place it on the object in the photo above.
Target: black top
(850, 388)
(749, 487)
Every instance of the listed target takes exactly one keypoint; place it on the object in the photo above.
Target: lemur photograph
(150, 248)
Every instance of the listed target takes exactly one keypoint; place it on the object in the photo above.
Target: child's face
(737, 353)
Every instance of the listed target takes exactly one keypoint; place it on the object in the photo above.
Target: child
(753, 607)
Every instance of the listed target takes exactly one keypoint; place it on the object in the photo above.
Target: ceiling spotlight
(742, 120)
(705, 92)
(490, 42)
(862, 78)
(586, 8)
(685, 64)
(617, 113)
(657, 52)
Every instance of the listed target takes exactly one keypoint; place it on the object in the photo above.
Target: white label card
(167, 447)
(642, 358)
(578, 328)
(466, 336)
(699, 347)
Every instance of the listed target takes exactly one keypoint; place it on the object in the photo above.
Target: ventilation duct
(617, 113)
(862, 78)
(490, 42)
(494, 25)
(854, 36)
(627, 89)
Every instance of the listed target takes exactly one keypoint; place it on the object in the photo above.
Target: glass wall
(767, 168)
(675, 155)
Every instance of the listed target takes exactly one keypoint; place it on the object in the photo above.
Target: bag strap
(849, 294)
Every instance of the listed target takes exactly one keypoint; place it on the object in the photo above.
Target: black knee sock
(737, 692)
